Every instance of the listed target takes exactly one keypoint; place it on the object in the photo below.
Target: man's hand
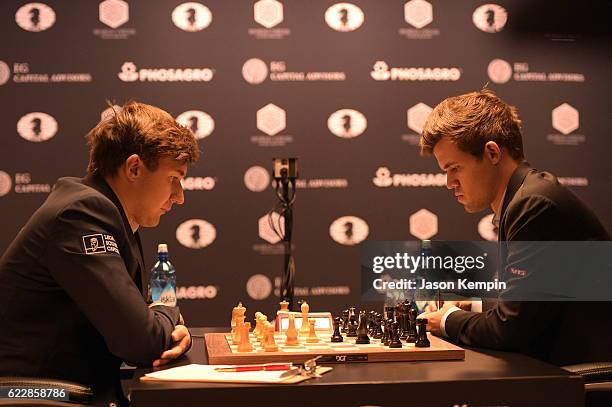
(181, 340)
(435, 318)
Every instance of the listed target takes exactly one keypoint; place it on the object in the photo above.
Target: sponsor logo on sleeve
(99, 243)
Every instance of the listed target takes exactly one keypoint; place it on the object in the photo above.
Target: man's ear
(492, 152)
(133, 167)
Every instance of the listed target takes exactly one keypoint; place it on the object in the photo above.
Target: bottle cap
(162, 248)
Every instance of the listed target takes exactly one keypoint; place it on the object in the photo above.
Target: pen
(254, 368)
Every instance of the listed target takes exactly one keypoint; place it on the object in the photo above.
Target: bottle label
(168, 296)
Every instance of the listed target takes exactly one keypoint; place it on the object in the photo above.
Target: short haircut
(470, 121)
(138, 128)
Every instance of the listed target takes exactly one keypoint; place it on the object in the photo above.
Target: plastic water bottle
(163, 279)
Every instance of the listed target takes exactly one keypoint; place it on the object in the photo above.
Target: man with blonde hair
(476, 140)
(73, 282)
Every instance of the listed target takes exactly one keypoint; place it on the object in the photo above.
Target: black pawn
(422, 341)
(395, 340)
(362, 331)
(412, 329)
(336, 337)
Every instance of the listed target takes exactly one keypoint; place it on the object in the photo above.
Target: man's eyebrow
(448, 164)
(181, 172)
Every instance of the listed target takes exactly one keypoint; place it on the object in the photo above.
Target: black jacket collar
(515, 182)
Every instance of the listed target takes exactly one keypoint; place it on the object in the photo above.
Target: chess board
(221, 351)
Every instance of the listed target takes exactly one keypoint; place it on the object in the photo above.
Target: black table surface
(484, 378)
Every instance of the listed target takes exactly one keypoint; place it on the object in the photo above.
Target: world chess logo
(200, 123)
(271, 119)
(35, 17)
(383, 177)
(490, 18)
(256, 179)
(94, 244)
(129, 72)
(499, 71)
(380, 71)
(6, 183)
(423, 224)
(417, 115)
(268, 13)
(349, 230)
(418, 13)
(259, 287)
(110, 112)
(486, 228)
(5, 73)
(254, 71)
(271, 227)
(37, 127)
(114, 13)
(565, 118)
(191, 16)
(344, 17)
(347, 123)
(196, 233)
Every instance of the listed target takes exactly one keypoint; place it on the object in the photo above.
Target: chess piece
(362, 331)
(422, 341)
(345, 321)
(304, 329)
(386, 339)
(237, 312)
(388, 312)
(395, 340)
(352, 325)
(412, 330)
(237, 330)
(257, 324)
(336, 336)
(245, 340)
(284, 306)
(312, 334)
(377, 332)
(269, 343)
(291, 333)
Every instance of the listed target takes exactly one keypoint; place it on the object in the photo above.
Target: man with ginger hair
(73, 281)
(476, 139)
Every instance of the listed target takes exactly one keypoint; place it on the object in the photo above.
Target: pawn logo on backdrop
(347, 123)
(37, 127)
(344, 17)
(490, 18)
(349, 230)
(200, 123)
(191, 16)
(196, 233)
(35, 17)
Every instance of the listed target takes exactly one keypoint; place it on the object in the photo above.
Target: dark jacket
(72, 304)
(537, 208)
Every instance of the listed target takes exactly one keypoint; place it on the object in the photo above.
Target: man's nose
(178, 195)
(450, 182)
